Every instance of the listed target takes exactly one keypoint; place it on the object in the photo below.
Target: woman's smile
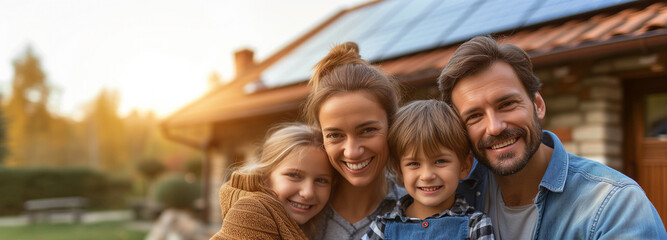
(359, 166)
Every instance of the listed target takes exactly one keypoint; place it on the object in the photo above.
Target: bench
(47, 206)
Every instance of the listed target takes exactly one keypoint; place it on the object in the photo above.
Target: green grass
(97, 231)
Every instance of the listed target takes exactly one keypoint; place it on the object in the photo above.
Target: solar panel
(391, 29)
(489, 17)
(554, 9)
(353, 26)
(409, 12)
(427, 31)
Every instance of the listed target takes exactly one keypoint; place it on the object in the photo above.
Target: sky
(157, 53)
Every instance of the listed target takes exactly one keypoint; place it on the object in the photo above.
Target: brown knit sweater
(250, 211)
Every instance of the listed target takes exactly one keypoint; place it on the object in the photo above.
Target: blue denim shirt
(580, 199)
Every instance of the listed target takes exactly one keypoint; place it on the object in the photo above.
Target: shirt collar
(556, 174)
(460, 208)
(393, 191)
(477, 175)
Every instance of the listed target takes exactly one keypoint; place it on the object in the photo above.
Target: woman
(353, 103)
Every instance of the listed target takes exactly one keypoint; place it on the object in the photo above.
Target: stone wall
(218, 165)
(585, 104)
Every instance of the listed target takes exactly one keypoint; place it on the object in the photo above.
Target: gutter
(645, 43)
(180, 139)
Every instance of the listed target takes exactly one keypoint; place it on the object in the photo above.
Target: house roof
(604, 31)
(390, 29)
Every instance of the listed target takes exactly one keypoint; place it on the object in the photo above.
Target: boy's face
(432, 180)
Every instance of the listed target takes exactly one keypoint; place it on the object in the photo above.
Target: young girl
(278, 196)
(430, 152)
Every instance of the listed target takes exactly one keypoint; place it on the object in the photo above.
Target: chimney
(244, 61)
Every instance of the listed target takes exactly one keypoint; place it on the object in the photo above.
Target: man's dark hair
(477, 55)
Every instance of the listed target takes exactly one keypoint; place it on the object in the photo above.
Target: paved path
(88, 217)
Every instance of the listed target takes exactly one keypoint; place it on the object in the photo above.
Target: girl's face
(302, 182)
(355, 126)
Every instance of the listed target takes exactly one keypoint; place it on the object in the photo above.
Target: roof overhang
(639, 30)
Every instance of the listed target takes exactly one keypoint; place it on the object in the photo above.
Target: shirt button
(479, 193)
(424, 224)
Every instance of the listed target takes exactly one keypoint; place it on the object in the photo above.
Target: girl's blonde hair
(343, 70)
(283, 139)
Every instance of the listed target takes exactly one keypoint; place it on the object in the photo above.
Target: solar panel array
(394, 28)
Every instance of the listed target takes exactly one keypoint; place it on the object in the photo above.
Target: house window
(656, 115)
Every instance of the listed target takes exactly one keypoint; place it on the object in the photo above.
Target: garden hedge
(18, 185)
(175, 192)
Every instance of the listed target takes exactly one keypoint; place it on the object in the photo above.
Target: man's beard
(505, 165)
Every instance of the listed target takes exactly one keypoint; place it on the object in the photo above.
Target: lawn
(97, 231)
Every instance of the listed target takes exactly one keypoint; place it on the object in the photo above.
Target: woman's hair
(426, 125)
(343, 70)
(283, 139)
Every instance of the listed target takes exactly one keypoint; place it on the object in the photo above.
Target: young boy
(429, 152)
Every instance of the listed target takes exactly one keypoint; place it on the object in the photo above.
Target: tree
(3, 138)
(27, 114)
(106, 134)
(149, 170)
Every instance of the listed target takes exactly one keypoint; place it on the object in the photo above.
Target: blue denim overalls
(431, 228)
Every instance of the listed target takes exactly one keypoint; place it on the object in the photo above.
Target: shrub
(175, 192)
(18, 185)
(150, 169)
(194, 166)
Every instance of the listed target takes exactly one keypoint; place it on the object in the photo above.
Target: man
(527, 183)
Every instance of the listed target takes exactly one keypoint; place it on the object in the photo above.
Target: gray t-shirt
(508, 222)
(336, 227)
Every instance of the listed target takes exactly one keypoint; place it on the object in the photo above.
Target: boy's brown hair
(426, 125)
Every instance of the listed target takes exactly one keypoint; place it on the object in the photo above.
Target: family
(474, 164)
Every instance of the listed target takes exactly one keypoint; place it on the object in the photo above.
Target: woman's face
(354, 127)
(302, 182)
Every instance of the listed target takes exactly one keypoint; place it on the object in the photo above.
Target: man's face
(502, 121)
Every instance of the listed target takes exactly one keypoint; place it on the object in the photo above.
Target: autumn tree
(66, 142)
(27, 113)
(102, 140)
(106, 133)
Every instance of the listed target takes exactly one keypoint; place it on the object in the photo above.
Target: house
(602, 64)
